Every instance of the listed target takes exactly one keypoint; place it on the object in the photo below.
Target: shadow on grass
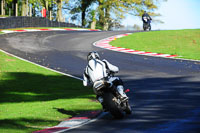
(29, 87)
(67, 112)
(32, 87)
(23, 124)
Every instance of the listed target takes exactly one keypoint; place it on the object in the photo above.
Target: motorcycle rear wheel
(128, 109)
(112, 106)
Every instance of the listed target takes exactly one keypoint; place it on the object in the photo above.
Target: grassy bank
(185, 43)
(32, 97)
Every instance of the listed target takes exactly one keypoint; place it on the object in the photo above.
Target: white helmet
(93, 55)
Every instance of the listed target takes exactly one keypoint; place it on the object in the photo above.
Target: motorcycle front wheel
(146, 26)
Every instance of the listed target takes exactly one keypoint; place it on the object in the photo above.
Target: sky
(176, 14)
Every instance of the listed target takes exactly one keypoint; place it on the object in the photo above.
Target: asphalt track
(164, 93)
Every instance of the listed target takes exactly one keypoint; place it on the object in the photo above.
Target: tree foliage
(116, 9)
(106, 13)
(81, 7)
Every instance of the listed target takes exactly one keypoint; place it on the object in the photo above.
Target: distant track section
(47, 29)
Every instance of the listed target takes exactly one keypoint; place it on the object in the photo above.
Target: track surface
(165, 93)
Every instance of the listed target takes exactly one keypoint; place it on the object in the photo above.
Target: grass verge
(185, 43)
(33, 98)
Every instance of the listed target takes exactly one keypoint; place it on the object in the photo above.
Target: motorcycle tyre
(146, 27)
(112, 107)
(128, 109)
(149, 27)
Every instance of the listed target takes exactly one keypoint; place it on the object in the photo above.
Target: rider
(147, 16)
(98, 69)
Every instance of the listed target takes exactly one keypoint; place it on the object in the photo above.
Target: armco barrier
(19, 22)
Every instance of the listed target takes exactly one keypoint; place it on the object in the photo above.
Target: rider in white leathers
(97, 70)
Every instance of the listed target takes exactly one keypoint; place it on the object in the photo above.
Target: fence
(19, 22)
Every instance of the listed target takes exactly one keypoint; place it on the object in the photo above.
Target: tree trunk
(27, 8)
(15, 7)
(51, 10)
(101, 14)
(83, 17)
(30, 11)
(33, 10)
(47, 5)
(16, 10)
(2, 7)
(107, 18)
(59, 11)
(23, 12)
(47, 9)
(105, 27)
(94, 21)
(50, 16)
(93, 25)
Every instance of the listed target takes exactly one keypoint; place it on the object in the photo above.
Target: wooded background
(101, 14)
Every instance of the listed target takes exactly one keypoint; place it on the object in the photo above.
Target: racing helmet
(93, 55)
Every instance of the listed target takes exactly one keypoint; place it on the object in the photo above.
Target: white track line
(41, 65)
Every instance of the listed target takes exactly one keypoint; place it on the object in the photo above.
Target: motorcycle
(111, 99)
(146, 23)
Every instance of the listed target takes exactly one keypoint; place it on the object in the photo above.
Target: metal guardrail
(19, 22)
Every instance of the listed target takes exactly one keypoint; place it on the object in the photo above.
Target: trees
(54, 7)
(2, 7)
(110, 11)
(81, 7)
(23, 9)
(115, 9)
(6, 7)
(29, 7)
(59, 10)
(12, 7)
(84, 6)
(106, 13)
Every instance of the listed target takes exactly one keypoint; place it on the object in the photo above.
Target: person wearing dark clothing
(146, 20)
(146, 16)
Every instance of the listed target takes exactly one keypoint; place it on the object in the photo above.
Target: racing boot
(123, 95)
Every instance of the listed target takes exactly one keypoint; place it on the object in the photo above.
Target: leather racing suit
(97, 70)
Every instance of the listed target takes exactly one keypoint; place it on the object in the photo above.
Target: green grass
(185, 43)
(4, 16)
(32, 97)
